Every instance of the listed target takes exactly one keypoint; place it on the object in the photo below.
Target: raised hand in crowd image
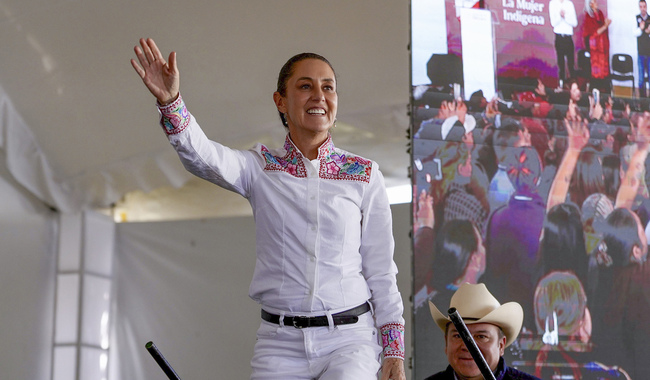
(451, 123)
(611, 271)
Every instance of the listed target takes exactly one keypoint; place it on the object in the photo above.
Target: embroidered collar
(324, 150)
(332, 165)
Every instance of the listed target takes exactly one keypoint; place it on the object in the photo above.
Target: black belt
(343, 318)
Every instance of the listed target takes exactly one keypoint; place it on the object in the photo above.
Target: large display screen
(529, 167)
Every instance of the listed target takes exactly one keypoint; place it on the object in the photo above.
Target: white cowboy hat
(476, 304)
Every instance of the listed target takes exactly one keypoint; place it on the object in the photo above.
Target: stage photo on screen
(530, 137)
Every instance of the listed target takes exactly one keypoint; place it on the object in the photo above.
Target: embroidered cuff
(174, 117)
(392, 338)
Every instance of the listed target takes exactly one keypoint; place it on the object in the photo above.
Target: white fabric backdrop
(27, 278)
(29, 166)
(184, 285)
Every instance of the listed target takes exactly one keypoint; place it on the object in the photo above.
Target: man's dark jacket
(503, 372)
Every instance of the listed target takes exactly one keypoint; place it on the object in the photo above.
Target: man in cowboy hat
(493, 326)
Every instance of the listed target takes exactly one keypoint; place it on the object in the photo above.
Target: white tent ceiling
(65, 69)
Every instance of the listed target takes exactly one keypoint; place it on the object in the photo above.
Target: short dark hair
(287, 70)
(587, 176)
(563, 246)
(611, 174)
(454, 245)
(621, 236)
(505, 137)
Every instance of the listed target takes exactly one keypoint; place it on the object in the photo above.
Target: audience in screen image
(552, 181)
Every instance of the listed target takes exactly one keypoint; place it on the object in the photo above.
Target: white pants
(325, 353)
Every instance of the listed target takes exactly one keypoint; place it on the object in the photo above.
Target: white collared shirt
(324, 234)
(562, 25)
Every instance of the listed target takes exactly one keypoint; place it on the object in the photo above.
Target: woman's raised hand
(578, 133)
(161, 77)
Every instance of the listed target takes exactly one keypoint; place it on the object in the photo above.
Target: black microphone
(162, 362)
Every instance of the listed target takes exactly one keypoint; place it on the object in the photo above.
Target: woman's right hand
(161, 77)
(578, 133)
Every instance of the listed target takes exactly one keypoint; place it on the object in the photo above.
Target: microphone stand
(162, 362)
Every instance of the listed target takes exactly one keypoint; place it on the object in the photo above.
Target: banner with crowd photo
(526, 120)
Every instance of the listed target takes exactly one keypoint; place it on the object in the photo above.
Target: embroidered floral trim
(291, 162)
(174, 117)
(332, 164)
(340, 166)
(392, 339)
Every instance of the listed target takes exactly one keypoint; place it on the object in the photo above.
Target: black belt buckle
(300, 322)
